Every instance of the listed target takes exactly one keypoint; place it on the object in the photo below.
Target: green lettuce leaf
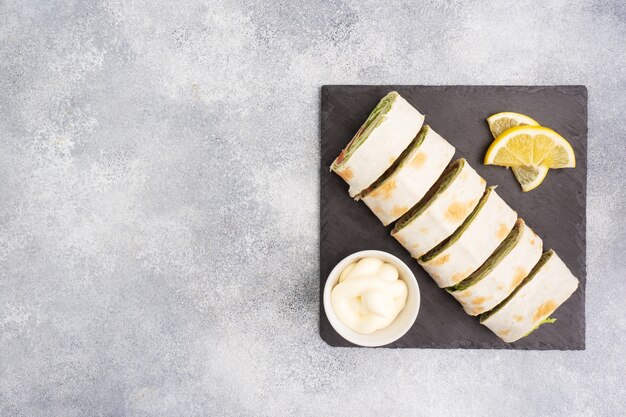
(375, 118)
(544, 321)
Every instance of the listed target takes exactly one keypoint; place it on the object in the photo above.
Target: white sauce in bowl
(369, 295)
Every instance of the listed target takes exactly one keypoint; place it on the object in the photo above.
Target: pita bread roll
(548, 285)
(410, 177)
(442, 210)
(472, 243)
(505, 269)
(386, 133)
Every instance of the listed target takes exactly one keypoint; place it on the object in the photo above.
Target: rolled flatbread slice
(501, 273)
(388, 130)
(472, 243)
(547, 286)
(442, 210)
(410, 177)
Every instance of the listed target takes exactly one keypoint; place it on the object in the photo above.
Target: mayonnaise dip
(369, 295)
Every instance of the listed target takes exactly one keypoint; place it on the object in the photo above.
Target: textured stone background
(159, 205)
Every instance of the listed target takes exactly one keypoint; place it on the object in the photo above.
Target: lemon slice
(530, 177)
(531, 146)
(500, 122)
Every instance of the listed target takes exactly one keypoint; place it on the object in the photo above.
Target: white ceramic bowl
(399, 326)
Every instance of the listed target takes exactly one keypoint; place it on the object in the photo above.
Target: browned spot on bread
(376, 208)
(504, 333)
(503, 230)
(458, 211)
(500, 288)
(385, 189)
(533, 240)
(481, 300)
(346, 174)
(478, 300)
(398, 211)
(460, 276)
(544, 309)
(520, 274)
(424, 230)
(467, 293)
(518, 318)
(440, 260)
(392, 160)
(418, 160)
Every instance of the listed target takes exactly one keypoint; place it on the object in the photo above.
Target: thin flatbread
(548, 285)
(472, 243)
(442, 210)
(410, 177)
(505, 269)
(388, 130)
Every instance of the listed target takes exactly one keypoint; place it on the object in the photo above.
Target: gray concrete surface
(159, 205)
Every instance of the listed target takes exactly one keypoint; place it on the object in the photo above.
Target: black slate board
(555, 211)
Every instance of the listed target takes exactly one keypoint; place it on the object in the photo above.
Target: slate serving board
(556, 210)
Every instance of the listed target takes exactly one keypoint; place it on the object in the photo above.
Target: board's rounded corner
(330, 342)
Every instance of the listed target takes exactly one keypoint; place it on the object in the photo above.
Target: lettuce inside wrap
(498, 255)
(398, 163)
(447, 177)
(374, 120)
(542, 261)
(434, 252)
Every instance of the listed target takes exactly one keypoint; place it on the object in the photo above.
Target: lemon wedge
(500, 122)
(530, 151)
(531, 146)
(530, 177)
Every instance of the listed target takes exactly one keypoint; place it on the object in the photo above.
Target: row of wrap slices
(459, 229)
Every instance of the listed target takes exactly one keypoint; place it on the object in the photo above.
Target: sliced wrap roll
(547, 286)
(442, 210)
(388, 130)
(410, 177)
(470, 245)
(505, 269)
